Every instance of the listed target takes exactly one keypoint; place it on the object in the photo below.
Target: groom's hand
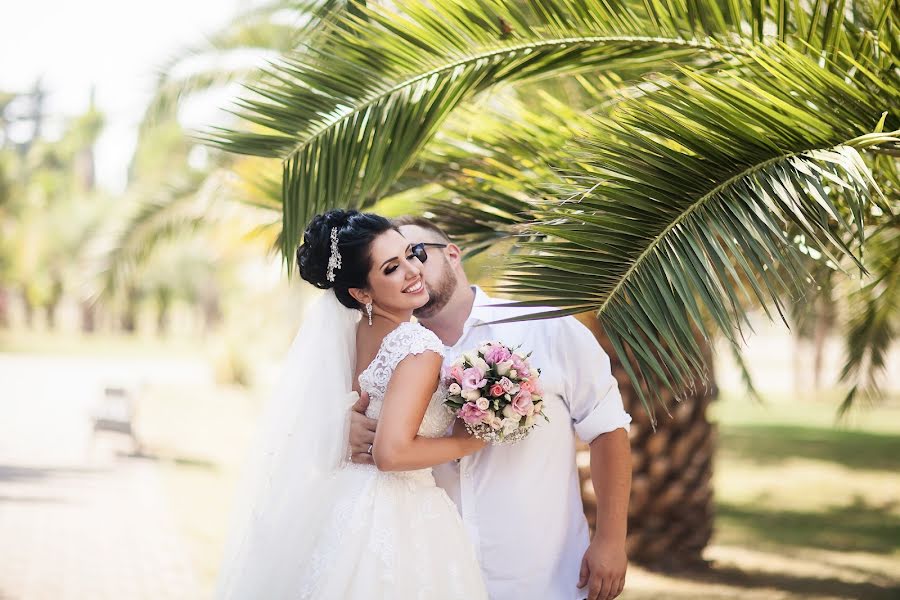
(362, 432)
(603, 569)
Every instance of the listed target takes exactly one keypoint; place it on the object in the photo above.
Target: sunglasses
(418, 250)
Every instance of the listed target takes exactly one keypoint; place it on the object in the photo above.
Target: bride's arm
(397, 446)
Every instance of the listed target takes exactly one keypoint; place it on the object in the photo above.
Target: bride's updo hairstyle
(355, 233)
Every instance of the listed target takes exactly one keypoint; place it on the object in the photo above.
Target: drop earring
(369, 311)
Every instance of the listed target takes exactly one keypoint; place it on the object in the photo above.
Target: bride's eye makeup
(393, 268)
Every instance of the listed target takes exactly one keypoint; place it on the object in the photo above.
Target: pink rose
(473, 378)
(496, 354)
(507, 384)
(471, 414)
(522, 403)
(497, 390)
(456, 373)
(527, 385)
(519, 365)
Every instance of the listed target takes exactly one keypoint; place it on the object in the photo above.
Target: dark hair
(355, 232)
(422, 222)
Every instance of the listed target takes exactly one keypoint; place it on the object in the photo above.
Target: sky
(113, 46)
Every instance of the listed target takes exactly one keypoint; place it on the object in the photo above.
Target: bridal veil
(287, 491)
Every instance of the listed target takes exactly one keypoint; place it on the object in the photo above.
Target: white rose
(480, 364)
(454, 389)
(469, 356)
(471, 395)
(484, 348)
(529, 421)
(504, 367)
(538, 407)
(509, 412)
(520, 353)
(496, 423)
(459, 361)
(482, 403)
(513, 373)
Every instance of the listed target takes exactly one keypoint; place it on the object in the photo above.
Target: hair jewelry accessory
(334, 261)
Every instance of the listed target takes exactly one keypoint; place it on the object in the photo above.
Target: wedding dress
(395, 535)
(314, 526)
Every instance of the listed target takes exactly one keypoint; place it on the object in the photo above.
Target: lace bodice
(408, 338)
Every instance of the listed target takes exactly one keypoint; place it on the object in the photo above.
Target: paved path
(78, 521)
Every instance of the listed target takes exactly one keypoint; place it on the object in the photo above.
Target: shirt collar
(482, 308)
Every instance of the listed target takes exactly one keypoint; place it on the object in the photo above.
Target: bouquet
(496, 392)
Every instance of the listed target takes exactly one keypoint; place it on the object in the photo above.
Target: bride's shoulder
(413, 338)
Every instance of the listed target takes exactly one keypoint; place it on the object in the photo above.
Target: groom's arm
(599, 418)
(605, 562)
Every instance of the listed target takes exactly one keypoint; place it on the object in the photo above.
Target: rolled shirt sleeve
(591, 391)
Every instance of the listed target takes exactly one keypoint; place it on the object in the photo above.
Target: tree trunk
(88, 316)
(28, 310)
(52, 305)
(4, 306)
(670, 514)
(129, 314)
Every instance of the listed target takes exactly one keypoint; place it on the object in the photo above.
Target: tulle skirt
(391, 536)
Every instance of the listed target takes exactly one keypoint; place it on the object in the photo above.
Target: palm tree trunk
(670, 515)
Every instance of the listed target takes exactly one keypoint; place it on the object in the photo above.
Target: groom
(521, 504)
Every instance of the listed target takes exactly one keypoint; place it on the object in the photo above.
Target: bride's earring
(369, 311)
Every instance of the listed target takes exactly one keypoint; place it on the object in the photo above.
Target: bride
(312, 524)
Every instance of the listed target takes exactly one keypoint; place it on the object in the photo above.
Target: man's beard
(439, 296)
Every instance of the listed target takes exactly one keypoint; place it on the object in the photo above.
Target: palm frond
(873, 308)
(697, 190)
(349, 115)
(488, 178)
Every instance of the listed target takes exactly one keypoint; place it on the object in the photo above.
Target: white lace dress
(394, 535)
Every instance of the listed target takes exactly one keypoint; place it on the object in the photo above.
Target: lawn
(806, 508)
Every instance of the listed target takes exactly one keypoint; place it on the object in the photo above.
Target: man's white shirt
(521, 504)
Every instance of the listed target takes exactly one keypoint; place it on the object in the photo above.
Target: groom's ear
(454, 253)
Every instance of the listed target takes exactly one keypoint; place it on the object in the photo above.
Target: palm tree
(719, 135)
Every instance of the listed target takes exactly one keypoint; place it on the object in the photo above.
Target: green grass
(775, 444)
(855, 527)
